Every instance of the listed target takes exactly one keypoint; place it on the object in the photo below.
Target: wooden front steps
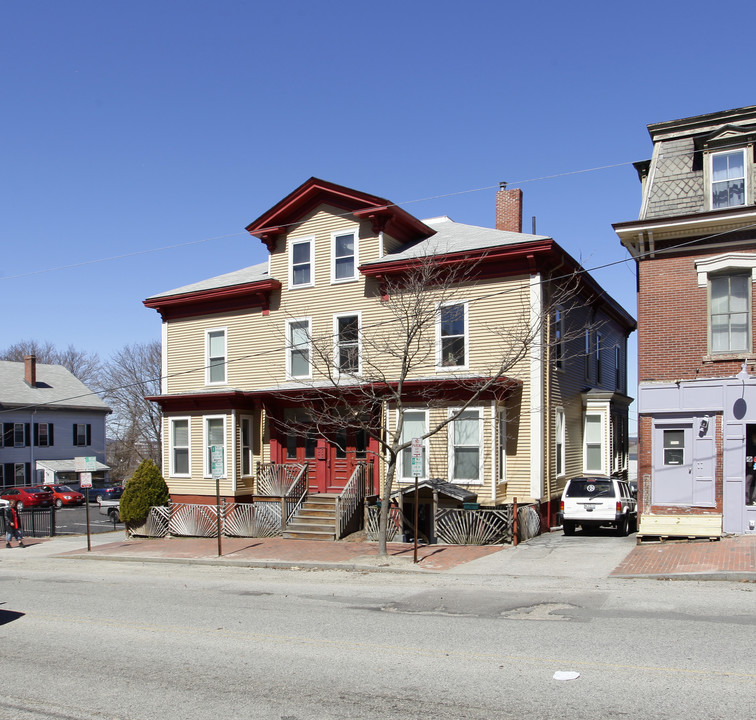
(315, 520)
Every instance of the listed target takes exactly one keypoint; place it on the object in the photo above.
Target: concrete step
(309, 535)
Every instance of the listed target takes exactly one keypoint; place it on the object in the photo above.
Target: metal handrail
(348, 501)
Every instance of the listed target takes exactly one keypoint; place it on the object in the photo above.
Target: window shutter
(29, 479)
(27, 435)
(74, 435)
(50, 435)
(9, 473)
(8, 434)
(89, 434)
(36, 434)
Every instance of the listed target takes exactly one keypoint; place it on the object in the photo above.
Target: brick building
(695, 247)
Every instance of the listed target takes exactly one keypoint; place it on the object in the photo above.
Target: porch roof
(442, 487)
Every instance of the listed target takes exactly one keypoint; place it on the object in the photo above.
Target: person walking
(12, 524)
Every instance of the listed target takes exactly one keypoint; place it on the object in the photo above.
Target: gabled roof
(384, 215)
(56, 388)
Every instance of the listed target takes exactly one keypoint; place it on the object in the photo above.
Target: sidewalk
(551, 554)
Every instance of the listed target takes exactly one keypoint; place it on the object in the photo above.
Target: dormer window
(728, 185)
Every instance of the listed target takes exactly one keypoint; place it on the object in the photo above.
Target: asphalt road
(178, 642)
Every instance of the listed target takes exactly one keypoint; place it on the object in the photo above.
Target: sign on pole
(85, 464)
(85, 479)
(416, 453)
(216, 460)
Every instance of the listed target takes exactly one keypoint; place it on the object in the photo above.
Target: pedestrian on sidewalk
(12, 524)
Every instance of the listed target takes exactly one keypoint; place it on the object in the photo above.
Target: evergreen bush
(144, 489)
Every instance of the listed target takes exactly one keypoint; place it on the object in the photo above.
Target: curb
(714, 576)
(261, 564)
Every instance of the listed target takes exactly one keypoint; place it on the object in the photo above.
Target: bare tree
(134, 426)
(398, 351)
(84, 365)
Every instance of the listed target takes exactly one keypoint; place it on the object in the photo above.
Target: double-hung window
(347, 331)
(597, 349)
(587, 354)
(728, 179)
(180, 462)
(415, 426)
(246, 445)
(19, 435)
(593, 443)
(452, 345)
(465, 447)
(215, 358)
(730, 313)
(301, 265)
(43, 433)
(558, 337)
(299, 348)
(215, 435)
(559, 441)
(617, 367)
(344, 255)
(82, 434)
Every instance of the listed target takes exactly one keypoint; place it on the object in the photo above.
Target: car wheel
(623, 527)
(58, 503)
(569, 527)
(19, 505)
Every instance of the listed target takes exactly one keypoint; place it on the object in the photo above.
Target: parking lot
(73, 520)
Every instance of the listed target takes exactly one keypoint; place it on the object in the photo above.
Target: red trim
(275, 223)
(215, 300)
(232, 400)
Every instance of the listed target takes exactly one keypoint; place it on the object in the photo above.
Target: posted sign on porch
(216, 460)
(417, 457)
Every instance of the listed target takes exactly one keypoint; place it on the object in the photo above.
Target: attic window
(728, 188)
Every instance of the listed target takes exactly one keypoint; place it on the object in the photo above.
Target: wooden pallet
(647, 539)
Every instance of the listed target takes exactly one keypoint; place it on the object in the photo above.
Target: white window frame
(207, 461)
(46, 425)
(426, 445)
(18, 444)
(602, 444)
(617, 367)
(439, 338)
(749, 302)
(81, 444)
(501, 428)
(354, 232)
(337, 345)
(452, 447)
(171, 459)
(588, 348)
(246, 451)
(559, 337)
(560, 435)
(208, 358)
(598, 346)
(712, 155)
(16, 466)
(302, 241)
(290, 348)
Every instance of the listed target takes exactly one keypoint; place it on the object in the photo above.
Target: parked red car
(64, 495)
(27, 496)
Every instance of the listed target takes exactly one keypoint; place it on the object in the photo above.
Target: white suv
(593, 502)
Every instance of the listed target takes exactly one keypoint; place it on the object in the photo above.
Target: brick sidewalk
(292, 552)
(730, 555)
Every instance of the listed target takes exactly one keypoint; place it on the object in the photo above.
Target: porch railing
(372, 523)
(474, 527)
(349, 502)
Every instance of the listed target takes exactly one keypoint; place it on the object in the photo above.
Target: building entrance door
(673, 465)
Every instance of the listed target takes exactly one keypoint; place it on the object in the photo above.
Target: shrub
(144, 489)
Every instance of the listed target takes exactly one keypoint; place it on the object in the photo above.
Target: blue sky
(131, 126)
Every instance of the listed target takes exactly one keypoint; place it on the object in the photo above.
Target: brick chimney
(30, 370)
(509, 209)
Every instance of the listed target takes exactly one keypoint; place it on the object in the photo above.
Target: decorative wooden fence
(395, 523)
(474, 527)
